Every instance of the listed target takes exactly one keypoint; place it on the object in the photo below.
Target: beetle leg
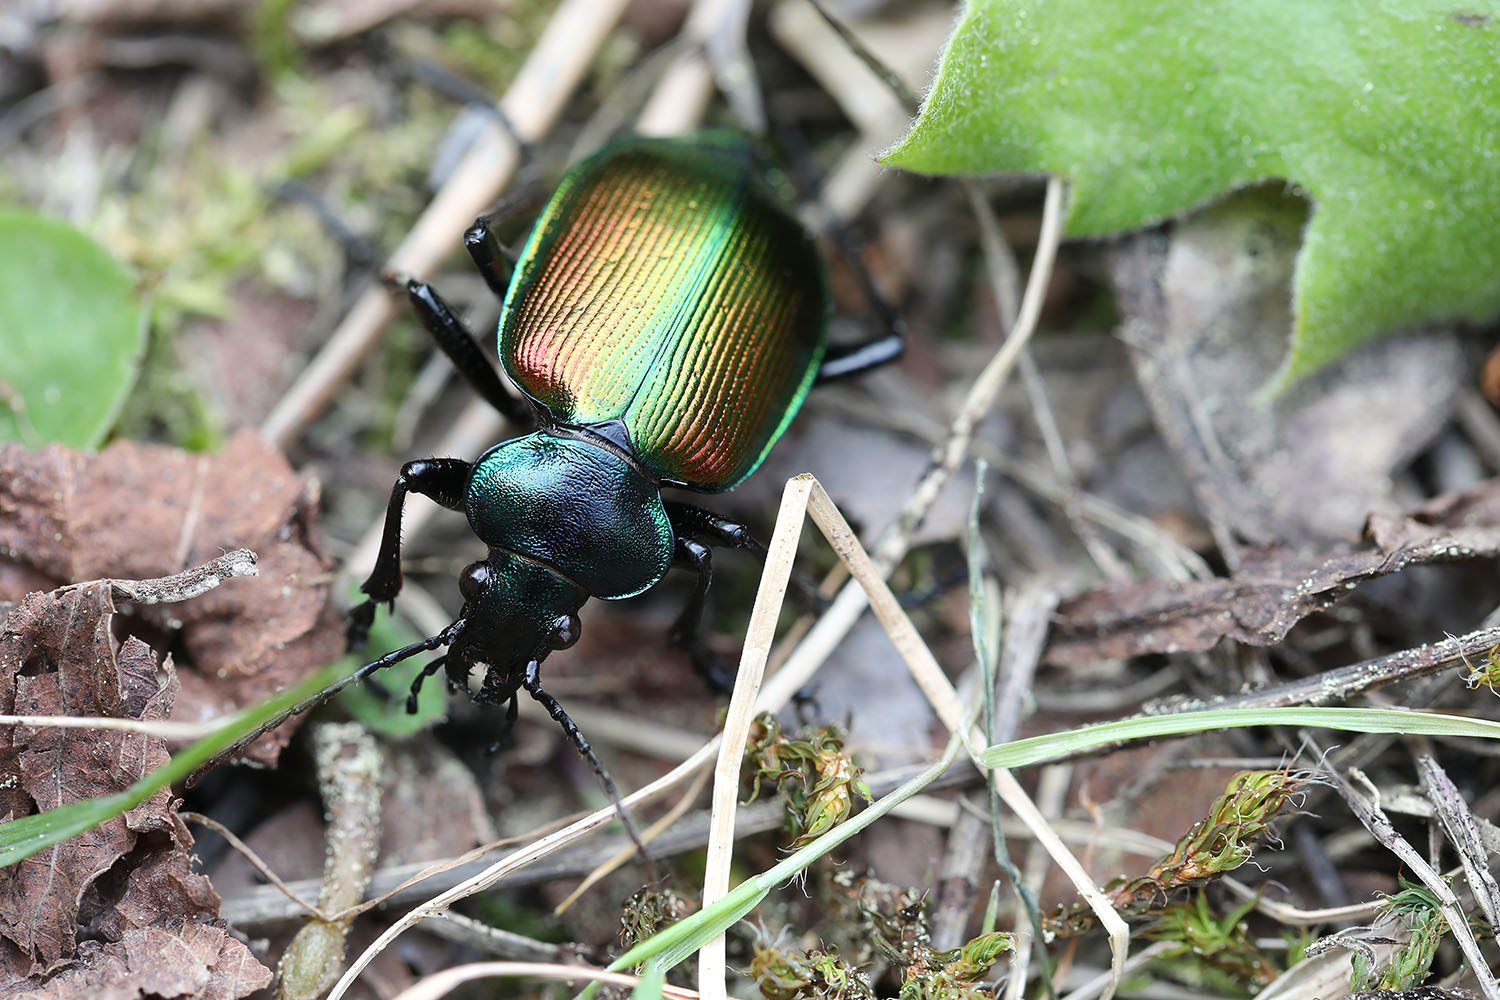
(493, 258)
(356, 248)
(463, 350)
(507, 736)
(852, 359)
(532, 683)
(719, 530)
(686, 630)
(849, 359)
(471, 95)
(416, 682)
(687, 519)
(445, 480)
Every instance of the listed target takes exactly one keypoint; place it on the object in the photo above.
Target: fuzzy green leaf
(1384, 113)
(71, 329)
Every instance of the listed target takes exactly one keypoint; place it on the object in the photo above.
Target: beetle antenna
(443, 638)
(533, 685)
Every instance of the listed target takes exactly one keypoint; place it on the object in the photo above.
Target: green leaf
(72, 332)
(21, 838)
(1019, 753)
(1385, 113)
(389, 717)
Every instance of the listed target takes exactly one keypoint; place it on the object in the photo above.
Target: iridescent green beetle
(664, 323)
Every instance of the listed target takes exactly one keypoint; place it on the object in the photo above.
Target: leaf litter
(151, 920)
(62, 519)
(1307, 502)
(121, 908)
(1274, 588)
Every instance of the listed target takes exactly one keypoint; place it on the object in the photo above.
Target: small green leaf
(21, 838)
(72, 331)
(389, 717)
(1385, 113)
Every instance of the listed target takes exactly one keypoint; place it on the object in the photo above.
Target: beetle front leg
(719, 530)
(444, 480)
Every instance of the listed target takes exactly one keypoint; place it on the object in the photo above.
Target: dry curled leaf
(174, 960)
(58, 657)
(1273, 589)
(137, 511)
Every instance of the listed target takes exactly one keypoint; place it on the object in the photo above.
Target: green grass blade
(1033, 749)
(653, 977)
(21, 838)
(676, 943)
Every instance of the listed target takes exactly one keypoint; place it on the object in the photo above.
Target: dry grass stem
(443, 983)
(535, 100)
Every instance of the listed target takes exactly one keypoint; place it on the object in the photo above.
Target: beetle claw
(710, 666)
(360, 620)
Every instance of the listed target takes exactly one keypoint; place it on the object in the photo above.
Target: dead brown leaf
(58, 657)
(175, 959)
(137, 511)
(1273, 589)
(1207, 305)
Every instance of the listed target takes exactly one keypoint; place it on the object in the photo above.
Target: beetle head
(515, 611)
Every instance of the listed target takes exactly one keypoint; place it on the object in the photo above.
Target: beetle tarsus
(416, 682)
(361, 618)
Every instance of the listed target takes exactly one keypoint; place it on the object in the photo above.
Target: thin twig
(1459, 823)
(1374, 819)
(165, 729)
(1343, 682)
(497, 941)
(256, 861)
(443, 983)
(190, 583)
(541, 89)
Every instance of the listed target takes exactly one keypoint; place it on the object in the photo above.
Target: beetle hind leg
(853, 359)
(494, 259)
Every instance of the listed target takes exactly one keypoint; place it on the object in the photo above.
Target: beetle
(663, 324)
